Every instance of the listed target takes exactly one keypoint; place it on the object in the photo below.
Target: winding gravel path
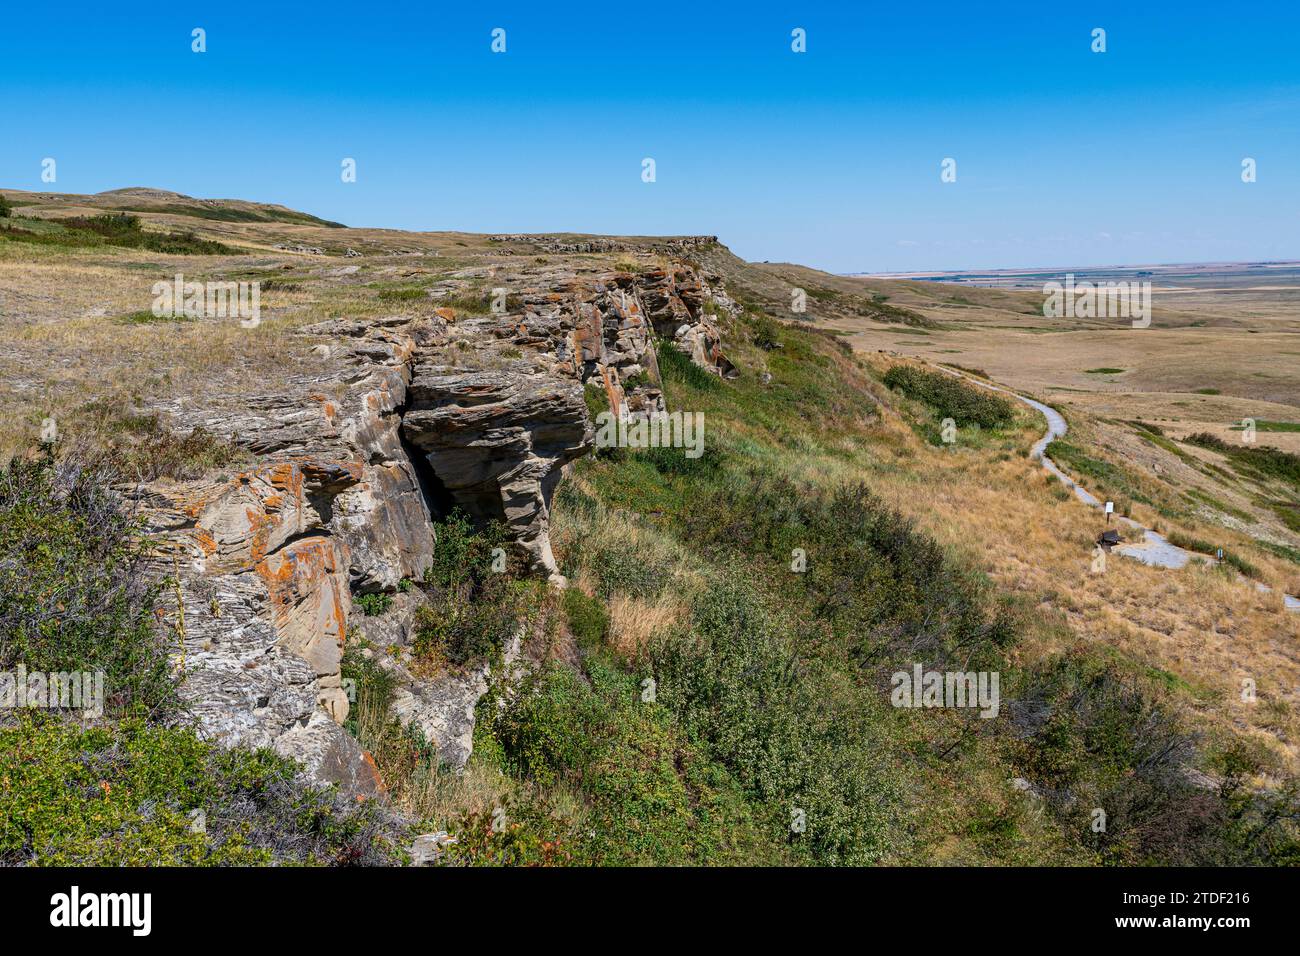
(1156, 549)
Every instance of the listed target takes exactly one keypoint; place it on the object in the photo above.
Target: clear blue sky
(831, 157)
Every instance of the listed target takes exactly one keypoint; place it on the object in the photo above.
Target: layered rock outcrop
(497, 440)
(407, 417)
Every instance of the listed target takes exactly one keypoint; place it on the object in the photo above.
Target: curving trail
(1155, 550)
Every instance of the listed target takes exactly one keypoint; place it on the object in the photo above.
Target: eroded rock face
(269, 558)
(497, 440)
(675, 304)
(264, 602)
(406, 417)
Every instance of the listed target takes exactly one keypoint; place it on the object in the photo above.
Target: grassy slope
(771, 686)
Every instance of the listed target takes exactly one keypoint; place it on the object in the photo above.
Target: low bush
(141, 795)
(1259, 461)
(74, 593)
(950, 397)
(649, 795)
(674, 461)
(1106, 478)
(477, 593)
(374, 604)
(117, 229)
(401, 753)
(1201, 546)
(587, 618)
(1094, 736)
(886, 591)
(804, 743)
(766, 333)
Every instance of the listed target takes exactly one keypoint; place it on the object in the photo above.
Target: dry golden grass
(1198, 342)
(62, 345)
(64, 342)
(439, 798)
(1209, 629)
(427, 794)
(633, 622)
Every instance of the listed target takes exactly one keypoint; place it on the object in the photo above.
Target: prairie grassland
(74, 323)
(74, 331)
(1211, 358)
(1205, 628)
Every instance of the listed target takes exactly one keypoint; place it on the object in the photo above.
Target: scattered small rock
(428, 848)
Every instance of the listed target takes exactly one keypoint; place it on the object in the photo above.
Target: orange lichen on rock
(613, 390)
(205, 541)
(306, 581)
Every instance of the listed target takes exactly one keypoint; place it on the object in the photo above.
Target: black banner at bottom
(336, 906)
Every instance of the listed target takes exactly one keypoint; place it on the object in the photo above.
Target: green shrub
(1289, 513)
(767, 335)
(793, 735)
(74, 595)
(473, 608)
(649, 796)
(116, 230)
(5, 208)
(468, 623)
(674, 461)
(463, 552)
(146, 317)
(531, 834)
(374, 604)
(886, 590)
(1200, 545)
(1260, 461)
(950, 397)
(400, 752)
(625, 569)
(1149, 427)
(1111, 480)
(127, 795)
(1208, 440)
(1093, 735)
(586, 616)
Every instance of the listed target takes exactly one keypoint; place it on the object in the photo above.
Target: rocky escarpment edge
(407, 417)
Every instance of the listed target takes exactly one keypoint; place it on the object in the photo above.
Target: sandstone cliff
(407, 417)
